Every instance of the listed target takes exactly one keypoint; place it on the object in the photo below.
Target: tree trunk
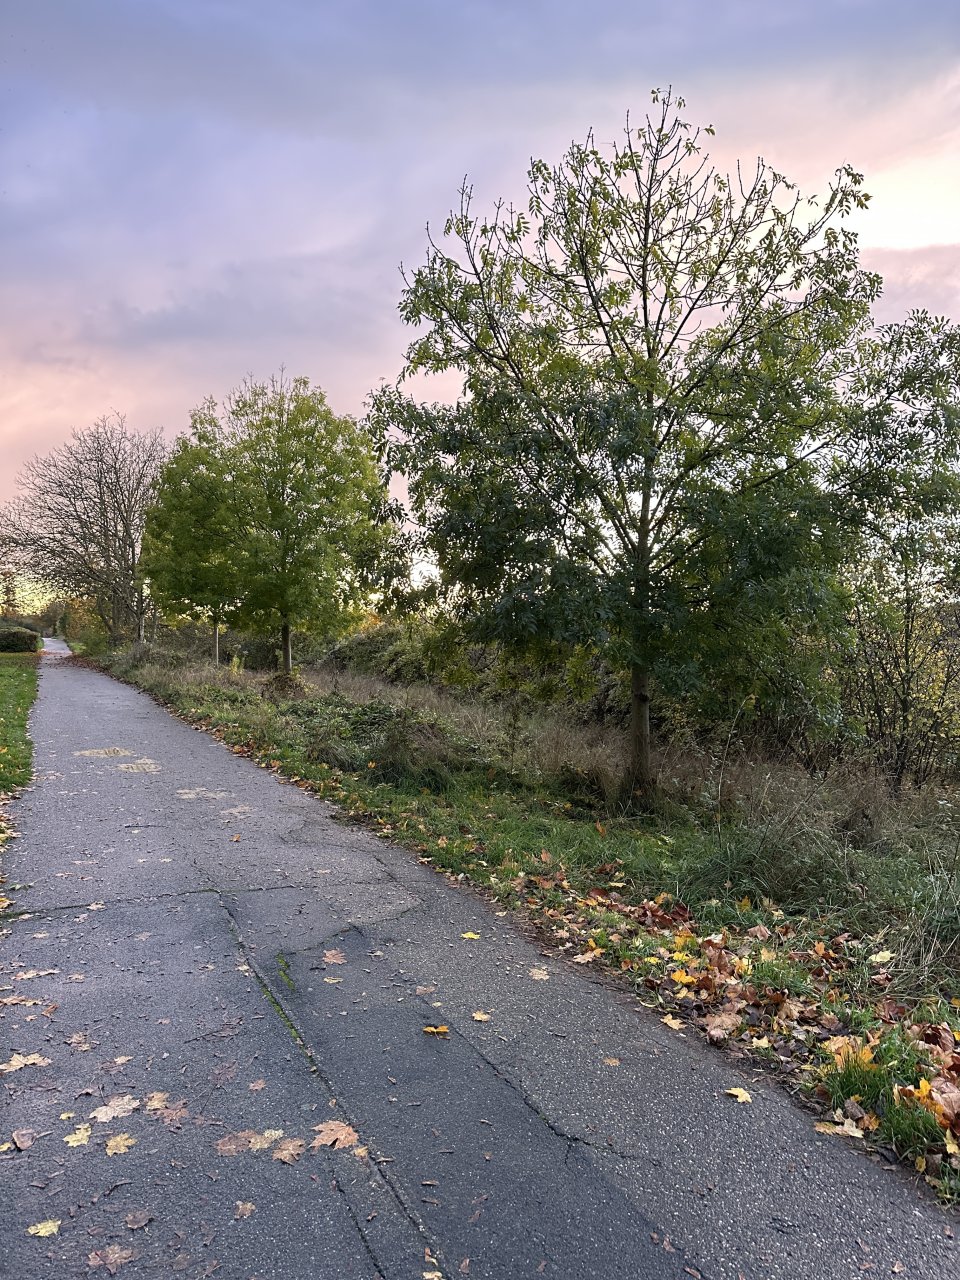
(642, 781)
(216, 640)
(286, 648)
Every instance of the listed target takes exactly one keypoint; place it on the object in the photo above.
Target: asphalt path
(219, 965)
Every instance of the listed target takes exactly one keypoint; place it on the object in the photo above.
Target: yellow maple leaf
(480, 1016)
(741, 1095)
(80, 1136)
(674, 1023)
(48, 1228)
(436, 1031)
(119, 1144)
(881, 957)
(681, 976)
(470, 936)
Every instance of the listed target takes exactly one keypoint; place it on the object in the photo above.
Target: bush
(19, 640)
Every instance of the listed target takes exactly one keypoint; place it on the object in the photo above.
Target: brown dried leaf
(335, 956)
(138, 1218)
(244, 1208)
(334, 1133)
(112, 1257)
(721, 1026)
(289, 1150)
(234, 1143)
(23, 1138)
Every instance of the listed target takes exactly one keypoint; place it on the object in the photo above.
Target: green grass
(18, 688)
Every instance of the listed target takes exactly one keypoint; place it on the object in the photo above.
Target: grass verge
(18, 688)
(831, 962)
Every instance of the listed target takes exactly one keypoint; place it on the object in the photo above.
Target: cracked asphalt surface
(179, 901)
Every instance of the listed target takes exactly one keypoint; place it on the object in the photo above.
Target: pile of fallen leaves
(814, 1008)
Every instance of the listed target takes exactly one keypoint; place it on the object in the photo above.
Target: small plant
(910, 1129)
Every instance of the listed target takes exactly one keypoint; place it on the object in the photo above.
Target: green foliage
(18, 688)
(651, 359)
(19, 639)
(267, 513)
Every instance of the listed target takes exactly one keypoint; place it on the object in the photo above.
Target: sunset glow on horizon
(196, 191)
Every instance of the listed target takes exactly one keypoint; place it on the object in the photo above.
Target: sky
(196, 190)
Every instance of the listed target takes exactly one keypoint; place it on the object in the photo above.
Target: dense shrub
(19, 640)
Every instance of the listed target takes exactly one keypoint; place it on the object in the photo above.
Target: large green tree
(653, 356)
(283, 496)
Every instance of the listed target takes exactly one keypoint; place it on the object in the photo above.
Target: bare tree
(77, 523)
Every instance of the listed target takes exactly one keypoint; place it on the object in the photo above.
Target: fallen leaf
(881, 957)
(26, 974)
(174, 1115)
(334, 1133)
(721, 1026)
(741, 1095)
(335, 956)
(256, 1086)
(472, 937)
(244, 1208)
(480, 1016)
(289, 1150)
(261, 1141)
(119, 1144)
(675, 1024)
(115, 1108)
(436, 1031)
(112, 1257)
(233, 1143)
(24, 1060)
(23, 1138)
(48, 1228)
(539, 975)
(138, 1218)
(80, 1136)
(156, 1101)
(611, 1062)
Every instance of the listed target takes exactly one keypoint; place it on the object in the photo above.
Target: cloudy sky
(193, 190)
